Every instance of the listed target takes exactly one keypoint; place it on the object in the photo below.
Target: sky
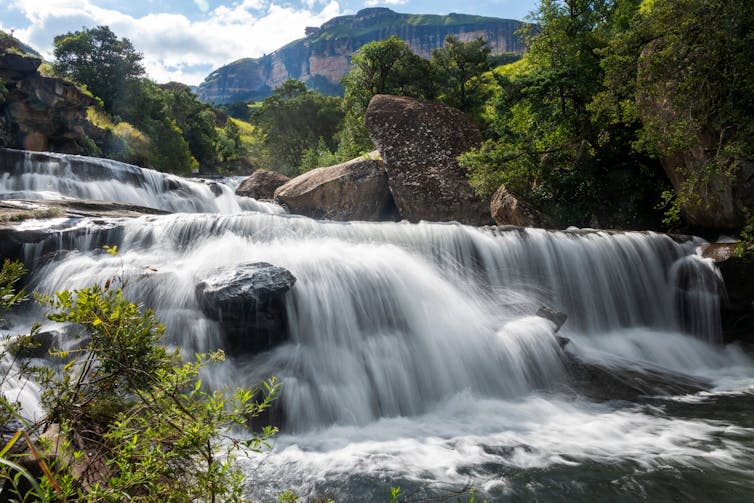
(184, 40)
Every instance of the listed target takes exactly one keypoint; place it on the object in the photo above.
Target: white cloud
(372, 3)
(202, 4)
(175, 47)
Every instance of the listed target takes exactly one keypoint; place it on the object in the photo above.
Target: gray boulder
(261, 184)
(420, 142)
(354, 190)
(249, 303)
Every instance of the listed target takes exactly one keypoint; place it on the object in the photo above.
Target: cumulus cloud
(175, 47)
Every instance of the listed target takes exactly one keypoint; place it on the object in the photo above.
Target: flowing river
(415, 356)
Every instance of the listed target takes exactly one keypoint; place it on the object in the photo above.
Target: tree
(459, 67)
(97, 58)
(382, 67)
(549, 141)
(293, 120)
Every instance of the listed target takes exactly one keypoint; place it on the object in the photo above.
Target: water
(416, 360)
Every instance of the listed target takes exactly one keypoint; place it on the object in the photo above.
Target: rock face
(737, 311)
(42, 113)
(324, 56)
(261, 184)
(419, 142)
(354, 190)
(724, 198)
(248, 302)
(507, 209)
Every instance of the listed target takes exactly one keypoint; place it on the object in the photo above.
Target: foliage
(98, 58)
(292, 120)
(459, 67)
(135, 423)
(695, 84)
(549, 140)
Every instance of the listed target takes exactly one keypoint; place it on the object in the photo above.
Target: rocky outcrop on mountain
(248, 302)
(324, 56)
(41, 113)
(261, 184)
(354, 190)
(419, 142)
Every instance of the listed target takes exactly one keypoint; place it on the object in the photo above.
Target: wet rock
(420, 142)
(508, 209)
(603, 382)
(557, 317)
(249, 303)
(737, 310)
(353, 190)
(261, 184)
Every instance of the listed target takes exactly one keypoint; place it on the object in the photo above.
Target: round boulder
(261, 184)
(353, 190)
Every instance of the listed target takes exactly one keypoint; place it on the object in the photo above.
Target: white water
(58, 176)
(414, 352)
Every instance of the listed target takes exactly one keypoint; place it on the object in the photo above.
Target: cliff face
(324, 56)
(37, 112)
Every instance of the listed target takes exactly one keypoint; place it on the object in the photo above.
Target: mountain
(323, 57)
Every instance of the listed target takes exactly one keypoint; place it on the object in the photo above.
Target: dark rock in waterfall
(353, 190)
(36, 345)
(420, 142)
(509, 209)
(737, 310)
(605, 383)
(249, 303)
(261, 184)
(557, 317)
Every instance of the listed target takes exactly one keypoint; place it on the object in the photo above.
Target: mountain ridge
(323, 56)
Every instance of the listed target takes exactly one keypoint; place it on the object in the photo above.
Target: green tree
(548, 142)
(97, 58)
(381, 67)
(459, 67)
(293, 120)
(196, 121)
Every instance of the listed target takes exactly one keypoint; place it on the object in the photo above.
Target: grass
(41, 213)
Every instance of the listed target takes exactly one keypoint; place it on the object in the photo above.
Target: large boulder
(722, 194)
(354, 190)
(420, 142)
(249, 303)
(261, 184)
(508, 209)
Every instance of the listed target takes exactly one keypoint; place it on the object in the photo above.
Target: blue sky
(185, 40)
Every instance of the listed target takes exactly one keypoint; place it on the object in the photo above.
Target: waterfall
(389, 319)
(34, 175)
(414, 353)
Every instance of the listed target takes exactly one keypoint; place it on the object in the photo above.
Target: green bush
(133, 422)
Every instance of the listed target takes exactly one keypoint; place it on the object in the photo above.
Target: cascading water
(33, 175)
(415, 357)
